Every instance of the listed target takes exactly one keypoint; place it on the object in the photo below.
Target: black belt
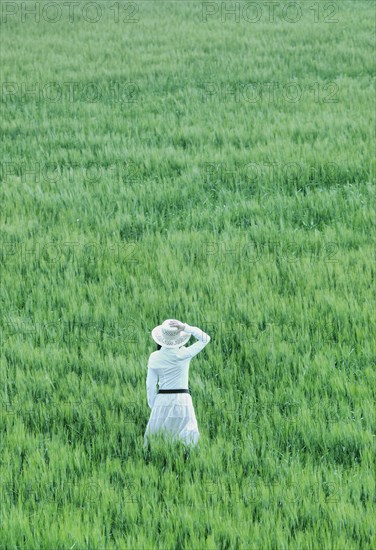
(173, 391)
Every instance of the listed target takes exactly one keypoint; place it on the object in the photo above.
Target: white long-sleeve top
(170, 366)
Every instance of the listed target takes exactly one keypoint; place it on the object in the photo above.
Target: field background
(136, 186)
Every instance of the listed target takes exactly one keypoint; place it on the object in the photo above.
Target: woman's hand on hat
(177, 324)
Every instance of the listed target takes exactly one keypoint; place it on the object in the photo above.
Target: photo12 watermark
(84, 493)
(270, 92)
(273, 172)
(56, 253)
(270, 330)
(254, 251)
(291, 413)
(68, 331)
(52, 172)
(270, 12)
(71, 11)
(73, 412)
(121, 92)
(256, 491)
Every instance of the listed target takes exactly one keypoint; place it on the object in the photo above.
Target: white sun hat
(169, 337)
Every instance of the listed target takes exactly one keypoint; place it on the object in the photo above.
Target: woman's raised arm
(194, 349)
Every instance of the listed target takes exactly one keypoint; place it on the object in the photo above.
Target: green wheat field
(211, 162)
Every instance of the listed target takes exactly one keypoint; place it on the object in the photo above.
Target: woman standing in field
(171, 407)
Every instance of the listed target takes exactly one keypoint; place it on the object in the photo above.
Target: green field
(174, 159)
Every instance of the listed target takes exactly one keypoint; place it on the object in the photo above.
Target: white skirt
(173, 413)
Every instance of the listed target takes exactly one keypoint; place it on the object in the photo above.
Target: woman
(171, 407)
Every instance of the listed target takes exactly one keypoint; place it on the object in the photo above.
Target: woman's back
(171, 367)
